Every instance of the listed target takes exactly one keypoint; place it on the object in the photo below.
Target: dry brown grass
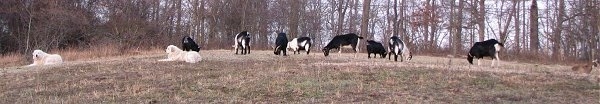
(223, 77)
(72, 54)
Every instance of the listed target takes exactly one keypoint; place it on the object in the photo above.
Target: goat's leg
(493, 62)
(497, 60)
(478, 62)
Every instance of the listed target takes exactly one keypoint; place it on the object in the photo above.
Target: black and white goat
(340, 41)
(486, 48)
(188, 44)
(301, 43)
(375, 48)
(281, 43)
(242, 41)
(398, 48)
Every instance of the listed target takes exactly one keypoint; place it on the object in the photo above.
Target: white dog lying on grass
(42, 58)
(176, 54)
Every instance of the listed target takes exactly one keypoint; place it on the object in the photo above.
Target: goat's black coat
(303, 46)
(375, 48)
(482, 49)
(395, 42)
(189, 44)
(243, 37)
(281, 44)
(341, 40)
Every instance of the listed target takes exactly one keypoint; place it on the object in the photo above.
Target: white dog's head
(38, 54)
(172, 49)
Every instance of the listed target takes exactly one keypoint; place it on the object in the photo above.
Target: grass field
(223, 77)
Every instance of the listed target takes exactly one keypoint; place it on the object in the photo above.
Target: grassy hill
(263, 77)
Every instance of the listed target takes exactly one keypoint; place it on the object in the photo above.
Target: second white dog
(176, 54)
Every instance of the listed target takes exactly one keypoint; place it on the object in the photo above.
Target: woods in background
(558, 29)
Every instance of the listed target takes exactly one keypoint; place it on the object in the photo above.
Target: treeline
(558, 28)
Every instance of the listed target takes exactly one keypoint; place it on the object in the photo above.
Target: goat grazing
(301, 43)
(281, 43)
(398, 48)
(340, 41)
(489, 48)
(375, 48)
(242, 41)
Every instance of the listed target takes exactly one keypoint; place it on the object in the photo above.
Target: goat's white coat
(176, 54)
(496, 57)
(293, 44)
(42, 58)
(405, 52)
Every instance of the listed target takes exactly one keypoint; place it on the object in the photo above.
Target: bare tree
(481, 20)
(364, 24)
(557, 31)
(534, 42)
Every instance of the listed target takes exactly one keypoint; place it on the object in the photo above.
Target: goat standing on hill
(242, 41)
(375, 48)
(42, 58)
(486, 48)
(281, 43)
(301, 43)
(188, 44)
(587, 68)
(345, 40)
(398, 48)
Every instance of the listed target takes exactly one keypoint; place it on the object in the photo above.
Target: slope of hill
(263, 77)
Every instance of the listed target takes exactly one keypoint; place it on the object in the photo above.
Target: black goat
(486, 48)
(189, 44)
(375, 48)
(340, 41)
(281, 43)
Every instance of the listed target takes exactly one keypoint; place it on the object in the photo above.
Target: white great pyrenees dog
(42, 58)
(176, 54)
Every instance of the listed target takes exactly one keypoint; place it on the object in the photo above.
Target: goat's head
(470, 58)
(326, 51)
(276, 50)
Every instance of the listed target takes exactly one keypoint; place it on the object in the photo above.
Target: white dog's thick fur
(176, 54)
(42, 58)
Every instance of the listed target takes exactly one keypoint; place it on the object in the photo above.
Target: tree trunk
(517, 29)
(534, 41)
(556, 38)
(457, 34)
(341, 14)
(481, 20)
(293, 18)
(364, 24)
